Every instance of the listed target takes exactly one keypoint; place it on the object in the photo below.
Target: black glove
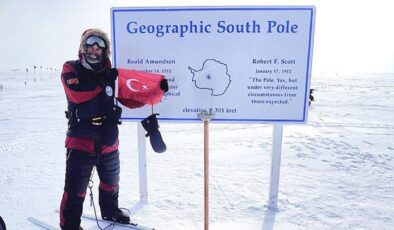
(112, 74)
(151, 125)
(164, 85)
(107, 77)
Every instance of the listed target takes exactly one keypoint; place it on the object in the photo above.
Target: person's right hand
(112, 75)
(107, 77)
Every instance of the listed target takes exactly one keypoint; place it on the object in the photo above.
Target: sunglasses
(96, 40)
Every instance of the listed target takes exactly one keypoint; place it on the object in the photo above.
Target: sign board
(245, 64)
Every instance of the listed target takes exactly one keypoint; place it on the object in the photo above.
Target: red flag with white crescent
(136, 88)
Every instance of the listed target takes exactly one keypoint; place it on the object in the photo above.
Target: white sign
(245, 64)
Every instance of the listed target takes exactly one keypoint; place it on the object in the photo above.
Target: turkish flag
(137, 88)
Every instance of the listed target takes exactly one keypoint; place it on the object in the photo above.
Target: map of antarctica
(212, 76)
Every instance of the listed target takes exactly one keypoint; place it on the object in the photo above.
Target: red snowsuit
(92, 135)
(92, 140)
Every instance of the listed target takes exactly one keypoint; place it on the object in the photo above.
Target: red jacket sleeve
(77, 91)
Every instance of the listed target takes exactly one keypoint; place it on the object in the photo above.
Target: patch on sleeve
(72, 81)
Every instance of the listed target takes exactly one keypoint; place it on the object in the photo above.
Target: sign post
(275, 166)
(206, 117)
(243, 64)
(142, 169)
(246, 64)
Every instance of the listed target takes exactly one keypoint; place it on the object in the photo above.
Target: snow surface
(337, 170)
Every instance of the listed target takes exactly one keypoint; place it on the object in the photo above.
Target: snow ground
(337, 170)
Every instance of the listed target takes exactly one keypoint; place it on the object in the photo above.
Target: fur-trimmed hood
(95, 32)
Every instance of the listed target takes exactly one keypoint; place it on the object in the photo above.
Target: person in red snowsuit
(92, 135)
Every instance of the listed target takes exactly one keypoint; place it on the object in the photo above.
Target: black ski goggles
(96, 40)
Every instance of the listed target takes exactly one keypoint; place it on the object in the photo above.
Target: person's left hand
(164, 85)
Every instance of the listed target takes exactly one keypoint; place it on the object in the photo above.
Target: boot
(2, 224)
(117, 216)
(63, 228)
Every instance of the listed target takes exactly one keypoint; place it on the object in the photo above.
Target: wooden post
(205, 117)
(206, 175)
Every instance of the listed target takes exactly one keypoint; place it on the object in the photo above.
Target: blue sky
(350, 36)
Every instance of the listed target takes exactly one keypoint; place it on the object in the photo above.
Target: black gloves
(112, 74)
(164, 85)
(107, 77)
(151, 125)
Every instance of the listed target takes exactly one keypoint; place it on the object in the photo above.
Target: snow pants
(79, 166)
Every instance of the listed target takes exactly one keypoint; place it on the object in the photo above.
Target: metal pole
(142, 168)
(27, 76)
(142, 165)
(275, 166)
(205, 117)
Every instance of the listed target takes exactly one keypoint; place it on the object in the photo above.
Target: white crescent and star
(128, 84)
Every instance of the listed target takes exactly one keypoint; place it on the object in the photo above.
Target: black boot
(2, 224)
(63, 228)
(117, 216)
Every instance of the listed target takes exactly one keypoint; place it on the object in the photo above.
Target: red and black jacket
(92, 115)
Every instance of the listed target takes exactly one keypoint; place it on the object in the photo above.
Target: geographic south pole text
(191, 27)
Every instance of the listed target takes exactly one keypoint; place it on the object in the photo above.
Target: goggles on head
(96, 40)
